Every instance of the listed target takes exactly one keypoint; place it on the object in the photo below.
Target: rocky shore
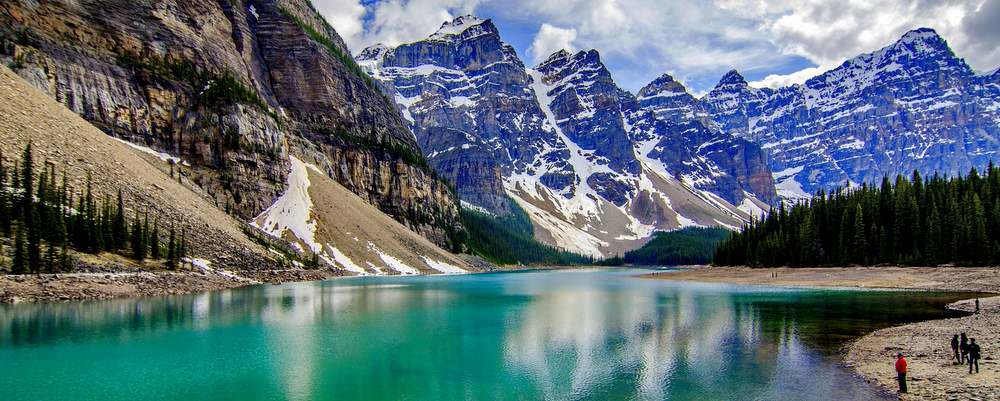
(926, 345)
(932, 369)
(93, 286)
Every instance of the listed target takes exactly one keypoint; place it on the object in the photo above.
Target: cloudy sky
(772, 42)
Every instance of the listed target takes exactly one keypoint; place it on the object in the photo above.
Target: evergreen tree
(118, 228)
(933, 238)
(138, 242)
(978, 243)
(172, 250)
(20, 263)
(154, 241)
(860, 241)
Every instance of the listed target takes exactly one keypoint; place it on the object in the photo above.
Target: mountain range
(599, 169)
(248, 92)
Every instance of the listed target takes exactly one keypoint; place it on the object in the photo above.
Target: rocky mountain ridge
(912, 105)
(590, 164)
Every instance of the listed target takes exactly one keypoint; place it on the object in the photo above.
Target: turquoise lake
(596, 334)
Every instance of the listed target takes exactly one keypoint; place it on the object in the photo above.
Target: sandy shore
(926, 344)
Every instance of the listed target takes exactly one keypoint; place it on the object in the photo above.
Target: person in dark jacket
(974, 354)
(901, 372)
(964, 347)
(954, 349)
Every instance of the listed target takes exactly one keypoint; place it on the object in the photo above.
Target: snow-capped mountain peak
(911, 105)
(465, 26)
(373, 52)
(595, 170)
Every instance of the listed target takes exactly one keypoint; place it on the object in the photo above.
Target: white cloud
(700, 40)
(391, 22)
(780, 80)
(549, 40)
(344, 15)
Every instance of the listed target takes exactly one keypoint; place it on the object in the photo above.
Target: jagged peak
(662, 84)
(373, 52)
(926, 35)
(579, 59)
(557, 56)
(461, 24)
(732, 77)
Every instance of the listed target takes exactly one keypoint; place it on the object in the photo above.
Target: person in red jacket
(901, 372)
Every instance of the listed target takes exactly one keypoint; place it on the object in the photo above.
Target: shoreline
(103, 285)
(932, 376)
(79, 287)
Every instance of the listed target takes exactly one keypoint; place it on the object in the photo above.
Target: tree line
(46, 218)
(915, 221)
(687, 246)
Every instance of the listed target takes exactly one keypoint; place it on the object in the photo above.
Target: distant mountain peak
(663, 84)
(561, 54)
(732, 77)
(373, 52)
(920, 34)
(461, 24)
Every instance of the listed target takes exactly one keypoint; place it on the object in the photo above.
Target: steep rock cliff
(232, 87)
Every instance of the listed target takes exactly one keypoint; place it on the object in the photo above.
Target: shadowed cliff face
(231, 87)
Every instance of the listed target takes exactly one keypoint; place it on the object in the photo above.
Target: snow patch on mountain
(443, 267)
(292, 211)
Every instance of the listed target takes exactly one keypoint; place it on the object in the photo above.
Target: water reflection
(538, 335)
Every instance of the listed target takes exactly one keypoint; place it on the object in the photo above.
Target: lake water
(555, 335)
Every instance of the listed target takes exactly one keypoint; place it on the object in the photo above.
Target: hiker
(954, 348)
(964, 347)
(901, 372)
(977, 305)
(973, 355)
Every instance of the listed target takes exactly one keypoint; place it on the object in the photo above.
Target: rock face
(595, 169)
(912, 105)
(233, 87)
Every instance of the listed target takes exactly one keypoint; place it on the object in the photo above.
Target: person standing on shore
(901, 372)
(977, 305)
(974, 354)
(964, 347)
(954, 348)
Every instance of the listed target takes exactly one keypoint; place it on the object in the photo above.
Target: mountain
(314, 211)
(234, 88)
(912, 105)
(594, 168)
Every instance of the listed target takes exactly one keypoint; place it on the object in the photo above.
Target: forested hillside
(914, 221)
(688, 246)
(510, 240)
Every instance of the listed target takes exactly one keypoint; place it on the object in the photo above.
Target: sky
(771, 42)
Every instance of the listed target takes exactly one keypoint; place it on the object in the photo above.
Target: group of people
(966, 351)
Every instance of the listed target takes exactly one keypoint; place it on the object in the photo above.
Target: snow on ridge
(457, 26)
(566, 235)
(752, 208)
(581, 200)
